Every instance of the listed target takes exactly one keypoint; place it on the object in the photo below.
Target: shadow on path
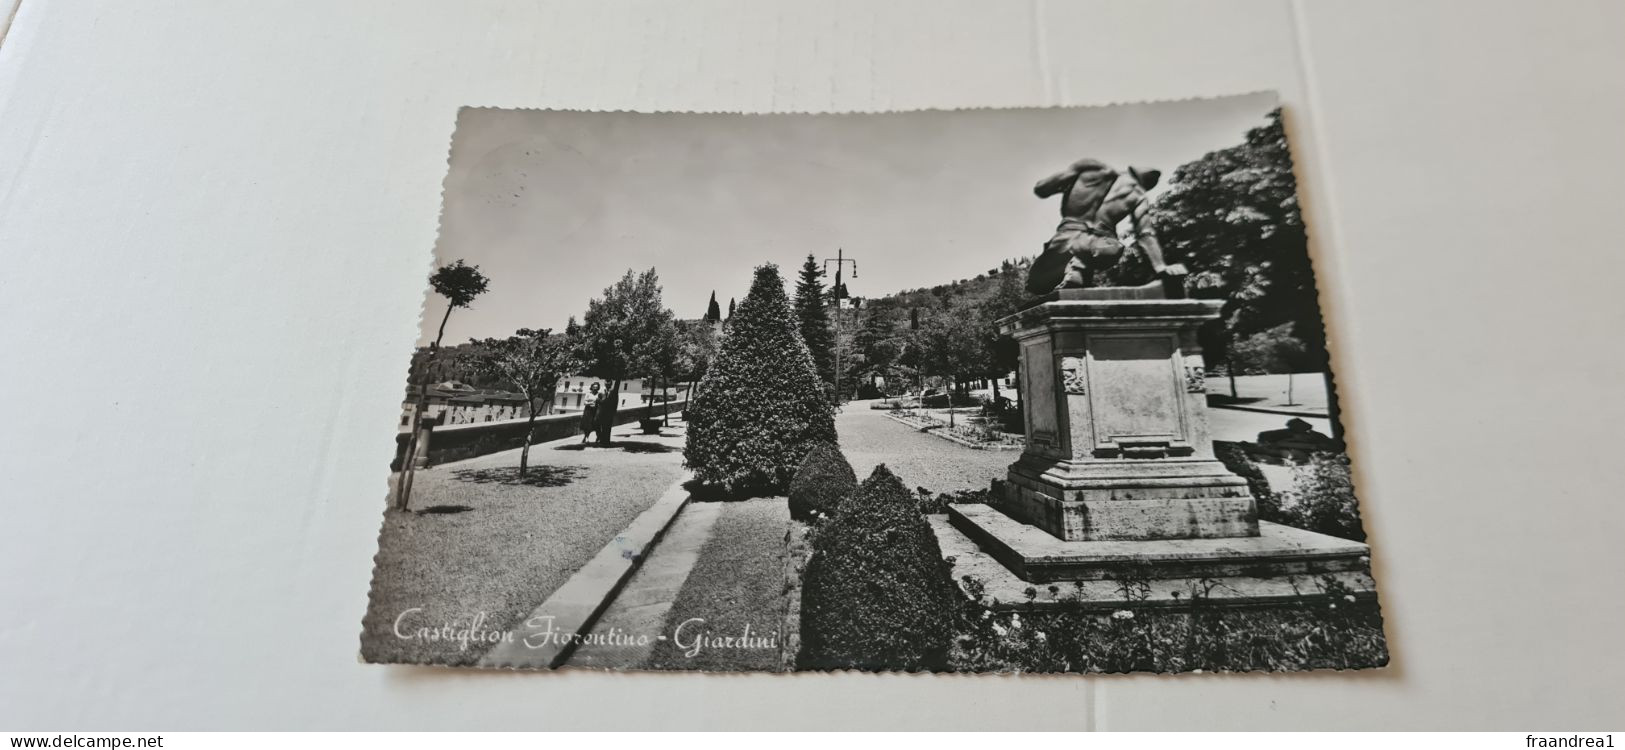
(630, 446)
(535, 476)
(442, 510)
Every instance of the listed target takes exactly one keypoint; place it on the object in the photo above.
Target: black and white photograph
(380, 368)
(988, 390)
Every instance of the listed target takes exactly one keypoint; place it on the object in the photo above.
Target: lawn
(481, 540)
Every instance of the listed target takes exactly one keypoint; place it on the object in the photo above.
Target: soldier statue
(1096, 199)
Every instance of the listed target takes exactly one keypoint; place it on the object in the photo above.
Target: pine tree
(761, 406)
(814, 320)
(730, 307)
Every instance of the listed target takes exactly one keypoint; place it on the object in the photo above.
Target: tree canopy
(459, 283)
(1232, 217)
(531, 361)
(621, 330)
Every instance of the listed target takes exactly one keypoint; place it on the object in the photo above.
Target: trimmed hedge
(877, 594)
(823, 482)
(1235, 458)
(761, 404)
(1322, 498)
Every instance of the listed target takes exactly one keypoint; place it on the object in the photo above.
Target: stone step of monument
(982, 576)
(1036, 556)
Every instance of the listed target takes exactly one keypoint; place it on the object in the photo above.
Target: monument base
(1129, 500)
(1016, 566)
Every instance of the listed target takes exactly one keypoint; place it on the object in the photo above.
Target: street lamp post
(840, 260)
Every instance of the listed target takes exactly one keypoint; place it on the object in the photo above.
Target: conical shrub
(822, 482)
(876, 593)
(761, 405)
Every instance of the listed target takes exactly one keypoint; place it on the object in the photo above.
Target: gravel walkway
(500, 547)
(868, 438)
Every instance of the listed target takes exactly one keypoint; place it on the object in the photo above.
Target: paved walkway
(642, 607)
(1243, 426)
(1308, 391)
(921, 459)
(480, 542)
(869, 437)
(711, 595)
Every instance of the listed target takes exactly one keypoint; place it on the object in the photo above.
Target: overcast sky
(555, 206)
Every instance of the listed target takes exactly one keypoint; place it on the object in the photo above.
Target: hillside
(953, 293)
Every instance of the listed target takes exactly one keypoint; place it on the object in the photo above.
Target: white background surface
(216, 217)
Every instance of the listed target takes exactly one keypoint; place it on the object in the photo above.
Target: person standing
(607, 405)
(589, 412)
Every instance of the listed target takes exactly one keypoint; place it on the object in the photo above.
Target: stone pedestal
(1119, 483)
(1118, 447)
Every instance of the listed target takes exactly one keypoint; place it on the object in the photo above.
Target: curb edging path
(545, 638)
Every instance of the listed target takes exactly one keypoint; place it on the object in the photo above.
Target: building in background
(453, 402)
(572, 391)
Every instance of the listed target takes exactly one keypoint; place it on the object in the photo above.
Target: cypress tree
(814, 320)
(713, 313)
(760, 407)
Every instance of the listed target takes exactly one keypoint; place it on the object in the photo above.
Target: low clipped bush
(1322, 498)
(938, 399)
(930, 503)
(1235, 458)
(823, 481)
(1006, 413)
(761, 405)
(877, 595)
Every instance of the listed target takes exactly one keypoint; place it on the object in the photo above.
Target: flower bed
(973, 432)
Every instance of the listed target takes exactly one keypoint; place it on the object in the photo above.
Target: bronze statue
(1097, 198)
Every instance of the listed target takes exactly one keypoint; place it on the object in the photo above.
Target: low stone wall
(459, 441)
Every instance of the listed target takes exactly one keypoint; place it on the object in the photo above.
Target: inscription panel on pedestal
(1136, 394)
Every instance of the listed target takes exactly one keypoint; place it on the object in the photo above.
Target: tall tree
(1002, 352)
(459, 283)
(1232, 218)
(730, 307)
(813, 320)
(952, 346)
(713, 313)
(531, 362)
(699, 343)
(661, 361)
(615, 336)
(877, 344)
(761, 405)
